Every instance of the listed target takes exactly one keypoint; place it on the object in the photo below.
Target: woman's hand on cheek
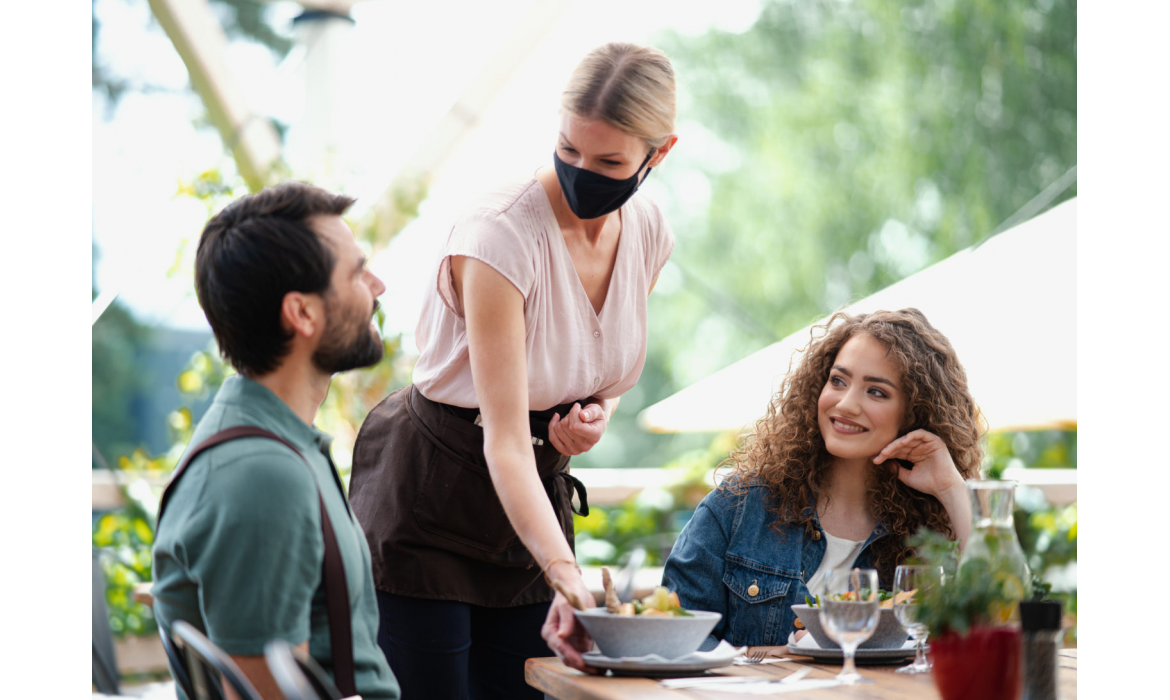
(934, 471)
(580, 429)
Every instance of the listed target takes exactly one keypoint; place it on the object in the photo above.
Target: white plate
(656, 669)
(862, 657)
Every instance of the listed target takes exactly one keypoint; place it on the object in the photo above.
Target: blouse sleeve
(493, 239)
(662, 238)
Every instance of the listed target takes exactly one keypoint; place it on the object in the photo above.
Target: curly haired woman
(870, 437)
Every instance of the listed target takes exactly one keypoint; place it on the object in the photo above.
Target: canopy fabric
(1008, 306)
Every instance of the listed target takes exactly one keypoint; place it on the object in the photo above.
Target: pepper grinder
(1040, 621)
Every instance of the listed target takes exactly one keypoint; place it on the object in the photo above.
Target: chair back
(297, 675)
(177, 664)
(208, 666)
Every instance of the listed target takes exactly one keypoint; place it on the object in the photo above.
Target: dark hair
(251, 254)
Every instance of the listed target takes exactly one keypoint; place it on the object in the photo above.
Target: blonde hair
(628, 86)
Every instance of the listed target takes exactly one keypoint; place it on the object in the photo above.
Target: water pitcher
(993, 538)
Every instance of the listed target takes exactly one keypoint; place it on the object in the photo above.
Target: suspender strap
(332, 569)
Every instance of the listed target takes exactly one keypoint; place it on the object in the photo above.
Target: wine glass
(849, 614)
(909, 580)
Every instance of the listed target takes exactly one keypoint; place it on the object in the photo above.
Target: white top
(573, 353)
(839, 553)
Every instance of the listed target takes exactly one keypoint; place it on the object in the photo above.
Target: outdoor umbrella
(1008, 305)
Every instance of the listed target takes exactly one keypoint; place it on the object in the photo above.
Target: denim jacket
(728, 547)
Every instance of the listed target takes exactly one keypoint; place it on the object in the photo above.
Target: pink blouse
(573, 353)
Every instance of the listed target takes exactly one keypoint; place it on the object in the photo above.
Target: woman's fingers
(554, 434)
(570, 439)
(565, 636)
(579, 430)
(561, 437)
(913, 446)
(592, 413)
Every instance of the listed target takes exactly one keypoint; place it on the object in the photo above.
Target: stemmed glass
(909, 580)
(849, 614)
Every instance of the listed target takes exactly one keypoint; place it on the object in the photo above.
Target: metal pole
(323, 34)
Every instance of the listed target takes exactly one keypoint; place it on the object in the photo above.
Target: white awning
(1008, 306)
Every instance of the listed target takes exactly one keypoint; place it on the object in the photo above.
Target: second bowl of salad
(890, 634)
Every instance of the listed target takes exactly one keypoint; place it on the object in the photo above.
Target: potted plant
(974, 650)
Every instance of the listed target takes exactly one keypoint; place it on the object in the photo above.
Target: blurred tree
(833, 149)
(117, 342)
(240, 19)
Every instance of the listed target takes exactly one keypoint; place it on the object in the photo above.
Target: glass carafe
(993, 538)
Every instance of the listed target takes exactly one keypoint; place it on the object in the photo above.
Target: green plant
(1035, 449)
(1040, 590)
(125, 538)
(967, 597)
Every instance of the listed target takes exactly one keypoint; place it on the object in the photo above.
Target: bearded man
(244, 549)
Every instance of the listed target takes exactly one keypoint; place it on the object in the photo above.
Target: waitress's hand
(580, 429)
(934, 471)
(562, 632)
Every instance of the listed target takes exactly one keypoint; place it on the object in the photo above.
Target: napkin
(773, 687)
(808, 642)
(737, 684)
(722, 652)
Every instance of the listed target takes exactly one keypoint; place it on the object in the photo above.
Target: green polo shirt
(238, 554)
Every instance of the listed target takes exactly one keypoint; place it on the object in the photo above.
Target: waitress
(535, 326)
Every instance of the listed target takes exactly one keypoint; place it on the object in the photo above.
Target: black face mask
(591, 195)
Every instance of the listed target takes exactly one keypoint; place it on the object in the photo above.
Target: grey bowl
(635, 635)
(889, 634)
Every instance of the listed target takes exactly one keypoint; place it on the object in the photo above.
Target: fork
(753, 658)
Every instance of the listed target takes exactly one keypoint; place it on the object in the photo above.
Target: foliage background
(829, 150)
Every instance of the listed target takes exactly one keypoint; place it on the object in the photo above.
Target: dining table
(556, 680)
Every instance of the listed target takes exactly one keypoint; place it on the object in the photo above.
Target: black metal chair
(178, 665)
(297, 675)
(208, 666)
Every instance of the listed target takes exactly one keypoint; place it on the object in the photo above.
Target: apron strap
(332, 568)
(576, 485)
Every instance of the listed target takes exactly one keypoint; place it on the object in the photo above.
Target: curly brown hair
(787, 452)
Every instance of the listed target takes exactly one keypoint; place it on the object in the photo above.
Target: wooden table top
(558, 681)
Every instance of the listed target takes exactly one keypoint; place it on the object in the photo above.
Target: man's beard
(347, 343)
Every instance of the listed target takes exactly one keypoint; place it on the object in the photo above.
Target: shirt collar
(265, 409)
(879, 530)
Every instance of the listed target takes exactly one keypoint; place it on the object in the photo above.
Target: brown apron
(421, 490)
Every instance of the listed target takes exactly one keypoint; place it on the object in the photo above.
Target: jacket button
(753, 590)
(817, 535)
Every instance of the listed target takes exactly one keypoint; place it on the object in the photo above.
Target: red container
(983, 665)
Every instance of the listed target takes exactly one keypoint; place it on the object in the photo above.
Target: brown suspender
(333, 572)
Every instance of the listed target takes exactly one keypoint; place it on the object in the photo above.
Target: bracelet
(554, 561)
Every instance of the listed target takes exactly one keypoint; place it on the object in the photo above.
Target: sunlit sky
(403, 66)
